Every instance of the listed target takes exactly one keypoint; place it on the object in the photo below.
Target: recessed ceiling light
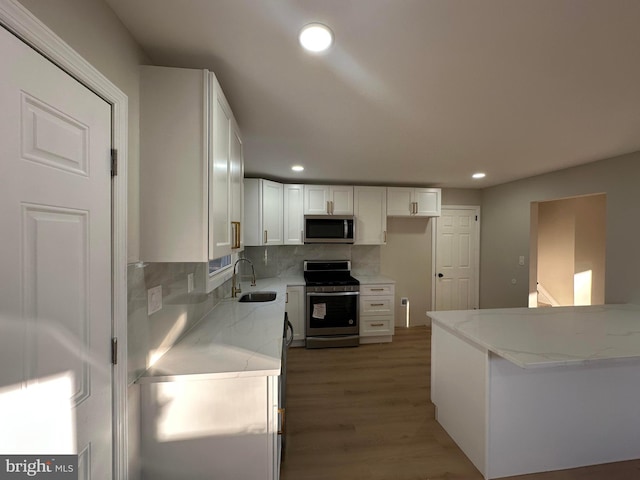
(297, 168)
(315, 37)
(479, 175)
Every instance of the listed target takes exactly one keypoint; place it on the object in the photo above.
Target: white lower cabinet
(213, 428)
(295, 311)
(377, 307)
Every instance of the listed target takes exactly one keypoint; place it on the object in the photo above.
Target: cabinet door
(342, 200)
(272, 212)
(399, 201)
(220, 175)
(316, 198)
(295, 311)
(293, 214)
(237, 196)
(370, 208)
(174, 210)
(428, 202)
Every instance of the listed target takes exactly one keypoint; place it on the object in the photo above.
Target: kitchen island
(531, 390)
(210, 405)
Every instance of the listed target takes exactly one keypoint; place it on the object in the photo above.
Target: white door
(55, 263)
(293, 215)
(457, 254)
(316, 200)
(220, 175)
(272, 215)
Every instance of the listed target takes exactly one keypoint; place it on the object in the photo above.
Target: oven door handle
(331, 294)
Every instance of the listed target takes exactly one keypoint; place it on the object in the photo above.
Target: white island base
(551, 411)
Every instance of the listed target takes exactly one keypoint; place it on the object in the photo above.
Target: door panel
(55, 285)
(457, 252)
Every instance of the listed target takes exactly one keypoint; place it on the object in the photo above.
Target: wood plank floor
(365, 413)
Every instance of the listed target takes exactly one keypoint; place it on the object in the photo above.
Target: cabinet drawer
(376, 289)
(382, 305)
(370, 326)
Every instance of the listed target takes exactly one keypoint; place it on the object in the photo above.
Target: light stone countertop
(549, 337)
(233, 340)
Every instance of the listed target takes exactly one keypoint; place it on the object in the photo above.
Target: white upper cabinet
(413, 202)
(370, 209)
(190, 149)
(328, 200)
(263, 202)
(293, 214)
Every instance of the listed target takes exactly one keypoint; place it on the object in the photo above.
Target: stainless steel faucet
(235, 284)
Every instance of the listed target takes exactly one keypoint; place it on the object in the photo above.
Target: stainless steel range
(332, 302)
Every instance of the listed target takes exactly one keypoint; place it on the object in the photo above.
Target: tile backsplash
(287, 260)
(149, 336)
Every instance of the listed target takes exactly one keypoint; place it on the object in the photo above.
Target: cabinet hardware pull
(235, 228)
(377, 324)
(281, 413)
(286, 298)
(377, 289)
(385, 237)
(265, 237)
(377, 304)
(328, 207)
(331, 207)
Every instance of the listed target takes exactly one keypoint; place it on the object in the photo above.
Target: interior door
(457, 251)
(55, 263)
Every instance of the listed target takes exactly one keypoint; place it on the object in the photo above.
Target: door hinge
(114, 351)
(114, 162)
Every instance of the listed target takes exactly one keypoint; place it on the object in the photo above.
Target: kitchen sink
(258, 297)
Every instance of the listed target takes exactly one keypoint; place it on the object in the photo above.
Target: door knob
(440, 275)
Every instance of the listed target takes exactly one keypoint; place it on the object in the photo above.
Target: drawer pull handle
(377, 289)
(377, 304)
(377, 324)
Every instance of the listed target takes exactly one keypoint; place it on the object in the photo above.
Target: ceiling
(413, 92)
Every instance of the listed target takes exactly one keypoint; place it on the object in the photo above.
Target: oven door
(333, 313)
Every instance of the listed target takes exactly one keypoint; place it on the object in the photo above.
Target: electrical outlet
(404, 301)
(190, 283)
(521, 260)
(154, 299)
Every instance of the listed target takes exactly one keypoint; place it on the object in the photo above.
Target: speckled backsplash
(287, 260)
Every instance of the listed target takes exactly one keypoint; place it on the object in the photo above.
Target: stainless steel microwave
(329, 228)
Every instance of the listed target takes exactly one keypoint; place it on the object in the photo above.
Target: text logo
(45, 467)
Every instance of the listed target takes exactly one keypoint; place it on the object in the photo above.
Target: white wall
(505, 228)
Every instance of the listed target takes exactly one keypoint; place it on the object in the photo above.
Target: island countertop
(233, 340)
(548, 337)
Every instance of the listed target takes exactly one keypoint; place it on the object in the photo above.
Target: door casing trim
(22, 23)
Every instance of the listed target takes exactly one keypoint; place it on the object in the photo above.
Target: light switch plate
(154, 299)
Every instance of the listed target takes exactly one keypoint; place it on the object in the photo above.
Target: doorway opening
(567, 251)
